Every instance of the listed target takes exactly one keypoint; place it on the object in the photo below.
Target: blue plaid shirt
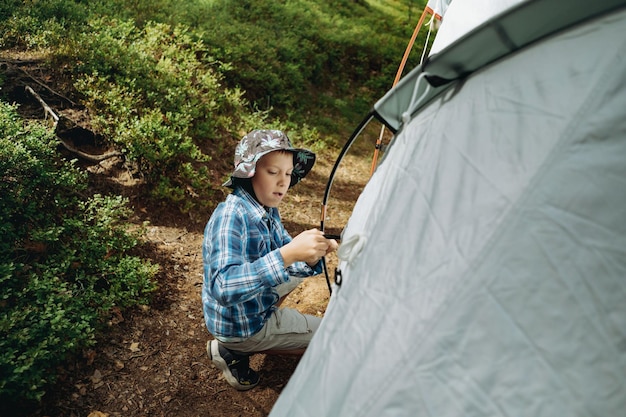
(242, 265)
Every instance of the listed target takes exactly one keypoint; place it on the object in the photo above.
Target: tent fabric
(437, 8)
(513, 30)
(463, 16)
(484, 264)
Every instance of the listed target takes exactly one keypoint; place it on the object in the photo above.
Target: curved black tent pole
(329, 185)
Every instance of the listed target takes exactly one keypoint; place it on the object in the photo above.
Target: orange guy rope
(398, 75)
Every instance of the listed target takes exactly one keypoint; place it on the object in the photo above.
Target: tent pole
(379, 141)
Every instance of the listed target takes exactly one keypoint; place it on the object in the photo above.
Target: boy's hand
(332, 246)
(309, 246)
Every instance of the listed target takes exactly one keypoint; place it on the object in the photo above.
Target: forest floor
(152, 361)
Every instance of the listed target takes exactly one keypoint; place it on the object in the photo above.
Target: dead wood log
(87, 156)
(55, 118)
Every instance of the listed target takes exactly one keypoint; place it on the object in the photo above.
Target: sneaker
(235, 367)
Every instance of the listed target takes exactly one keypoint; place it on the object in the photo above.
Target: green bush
(7, 7)
(302, 59)
(156, 94)
(38, 24)
(305, 53)
(65, 259)
(173, 96)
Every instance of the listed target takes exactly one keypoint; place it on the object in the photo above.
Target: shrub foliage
(158, 97)
(173, 84)
(65, 259)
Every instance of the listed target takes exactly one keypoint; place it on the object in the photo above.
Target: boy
(251, 263)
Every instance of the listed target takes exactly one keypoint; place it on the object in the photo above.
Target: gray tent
(484, 265)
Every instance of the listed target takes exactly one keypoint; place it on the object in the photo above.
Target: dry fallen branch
(55, 118)
(44, 105)
(41, 83)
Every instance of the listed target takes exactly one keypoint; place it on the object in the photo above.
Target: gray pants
(286, 329)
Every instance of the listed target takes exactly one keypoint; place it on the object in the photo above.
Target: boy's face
(272, 177)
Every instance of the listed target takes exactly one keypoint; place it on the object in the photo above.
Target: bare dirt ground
(152, 361)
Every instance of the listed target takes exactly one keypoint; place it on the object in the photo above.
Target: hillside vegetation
(169, 86)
